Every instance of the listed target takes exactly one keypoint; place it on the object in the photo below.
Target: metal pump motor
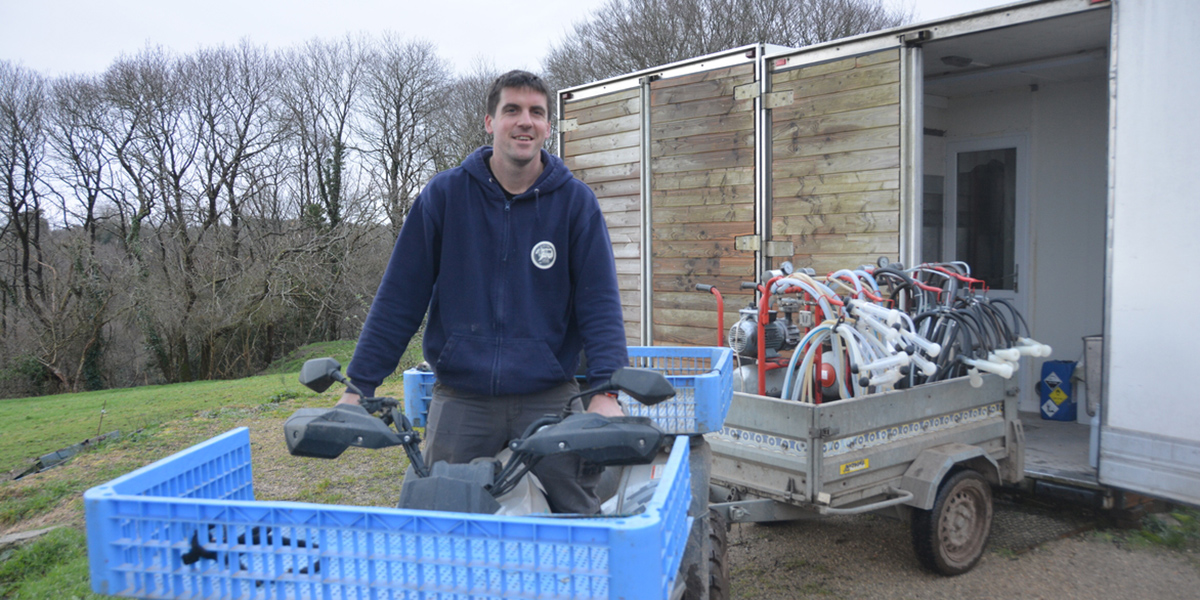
(779, 334)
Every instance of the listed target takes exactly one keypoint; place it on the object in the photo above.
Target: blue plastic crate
(418, 391)
(188, 526)
(703, 380)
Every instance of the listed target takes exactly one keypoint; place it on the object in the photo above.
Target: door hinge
(772, 248)
(747, 91)
(781, 248)
(779, 99)
(747, 243)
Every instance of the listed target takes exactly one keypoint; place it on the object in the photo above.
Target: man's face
(520, 126)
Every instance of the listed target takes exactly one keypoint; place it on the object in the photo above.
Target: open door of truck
(1150, 435)
(835, 158)
(671, 156)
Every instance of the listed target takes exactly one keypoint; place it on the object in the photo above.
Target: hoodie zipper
(500, 295)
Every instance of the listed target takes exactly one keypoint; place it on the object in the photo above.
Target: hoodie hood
(554, 175)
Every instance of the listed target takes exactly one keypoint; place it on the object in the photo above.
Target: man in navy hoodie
(511, 256)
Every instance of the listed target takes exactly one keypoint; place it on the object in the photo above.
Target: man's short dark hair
(515, 79)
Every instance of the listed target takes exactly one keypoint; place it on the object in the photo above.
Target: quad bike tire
(715, 531)
(949, 539)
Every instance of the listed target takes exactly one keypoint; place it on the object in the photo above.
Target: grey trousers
(463, 426)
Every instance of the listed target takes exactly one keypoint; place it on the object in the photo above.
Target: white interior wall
(1067, 125)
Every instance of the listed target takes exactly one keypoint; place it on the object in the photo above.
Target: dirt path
(871, 557)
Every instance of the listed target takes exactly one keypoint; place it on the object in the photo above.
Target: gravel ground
(868, 556)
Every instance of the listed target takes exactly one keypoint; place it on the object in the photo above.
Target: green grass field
(32, 427)
(155, 422)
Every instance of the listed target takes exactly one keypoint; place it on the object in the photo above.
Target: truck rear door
(1150, 435)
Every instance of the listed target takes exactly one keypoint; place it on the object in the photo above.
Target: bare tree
(323, 96)
(623, 36)
(84, 167)
(55, 292)
(234, 93)
(405, 92)
(155, 136)
(81, 160)
(185, 217)
(461, 121)
(22, 153)
(23, 107)
(323, 91)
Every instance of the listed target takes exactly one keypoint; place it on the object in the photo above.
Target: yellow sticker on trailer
(854, 467)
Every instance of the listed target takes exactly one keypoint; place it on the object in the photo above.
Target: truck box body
(1048, 143)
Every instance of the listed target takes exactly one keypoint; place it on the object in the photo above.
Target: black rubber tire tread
(964, 501)
(718, 567)
(716, 530)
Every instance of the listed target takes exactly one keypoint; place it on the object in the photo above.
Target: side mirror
(320, 373)
(644, 385)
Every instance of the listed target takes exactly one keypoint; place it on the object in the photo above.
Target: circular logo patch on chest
(543, 255)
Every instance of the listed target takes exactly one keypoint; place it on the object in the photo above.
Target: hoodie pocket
(498, 367)
(466, 363)
(527, 365)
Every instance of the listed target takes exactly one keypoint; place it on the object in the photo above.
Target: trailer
(930, 451)
(1045, 142)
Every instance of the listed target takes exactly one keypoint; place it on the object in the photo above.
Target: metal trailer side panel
(858, 448)
(1150, 440)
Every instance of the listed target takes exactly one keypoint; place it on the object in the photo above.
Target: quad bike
(631, 447)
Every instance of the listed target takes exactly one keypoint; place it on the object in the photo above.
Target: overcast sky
(84, 36)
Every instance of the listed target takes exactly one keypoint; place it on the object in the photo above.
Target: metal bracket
(903, 498)
(916, 38)
(820, 433)
(781, 248)
(763, 511)
(565, 125)
(747, 243)
(746, 92)
(772, 248)
(778, 99)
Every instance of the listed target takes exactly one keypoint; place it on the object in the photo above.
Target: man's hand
(605, 405)
(349, 398)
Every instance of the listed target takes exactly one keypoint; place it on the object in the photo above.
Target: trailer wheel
(949, 539)
(718, 570)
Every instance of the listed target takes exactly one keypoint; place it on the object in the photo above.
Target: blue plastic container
(1056, 393)
(418, 391)
(188, 526)
(702, 376)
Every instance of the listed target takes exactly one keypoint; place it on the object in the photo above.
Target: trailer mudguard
(925, 474)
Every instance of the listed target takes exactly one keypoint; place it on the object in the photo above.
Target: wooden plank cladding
(835, 185)
(836, 161)
(702, 152)
(605, 153)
